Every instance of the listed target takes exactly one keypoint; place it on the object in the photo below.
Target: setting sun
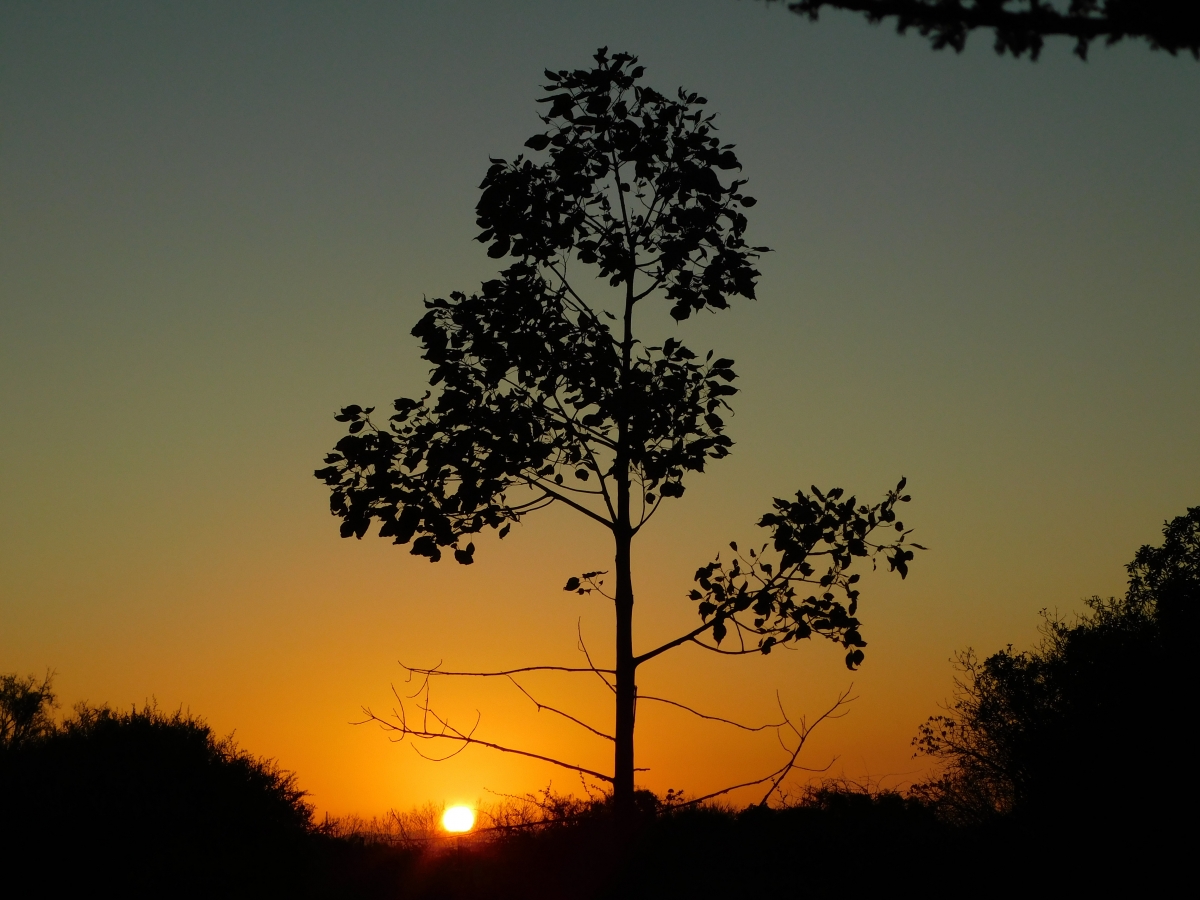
(458, 819)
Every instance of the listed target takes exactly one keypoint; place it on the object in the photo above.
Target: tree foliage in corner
(1044, 735)
(1021, 26)
(540, 393)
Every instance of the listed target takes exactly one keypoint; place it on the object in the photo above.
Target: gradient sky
(217, 223)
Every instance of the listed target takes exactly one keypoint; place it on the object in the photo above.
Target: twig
(777, 777)
(565, 715)
(592, 666)
(713, 718)
(466, 740)
(504, 672)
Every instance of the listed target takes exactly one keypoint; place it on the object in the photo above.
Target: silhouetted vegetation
(146, 802)
(536, 400)
(1065, 768)
(549, 846)
(1085, 736)
(26, 709)
(1021, 26)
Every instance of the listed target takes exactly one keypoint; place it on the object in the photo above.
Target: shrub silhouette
(1050, 737)
(26, 709)
(152, 803)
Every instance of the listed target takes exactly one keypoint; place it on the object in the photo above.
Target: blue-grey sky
(217, 224)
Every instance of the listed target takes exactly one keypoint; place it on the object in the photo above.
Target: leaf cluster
(630, 174)
(815, 540)
(537, 396)
(530, 409)
(1021, 26)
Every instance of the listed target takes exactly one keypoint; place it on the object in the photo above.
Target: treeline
(1086, 732)
(1063, 766)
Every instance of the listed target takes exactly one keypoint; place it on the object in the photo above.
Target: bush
(147, 802)
(1066, 737)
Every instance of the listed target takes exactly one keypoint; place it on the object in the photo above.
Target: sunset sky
(217, 224)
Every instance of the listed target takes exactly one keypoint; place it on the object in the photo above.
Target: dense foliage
(1053, 734)
(151, 802)
(536, 397)
(1021, 26)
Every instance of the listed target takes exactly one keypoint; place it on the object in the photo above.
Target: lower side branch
(801, 733)
(441, 730)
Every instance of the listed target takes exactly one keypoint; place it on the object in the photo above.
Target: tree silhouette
(26, 709)
(537, 399)
(1021, 26)
(1038, 734)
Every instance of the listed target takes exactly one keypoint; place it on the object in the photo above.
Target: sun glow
(458, 819)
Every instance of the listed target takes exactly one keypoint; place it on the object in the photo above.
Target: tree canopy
(1021, 26)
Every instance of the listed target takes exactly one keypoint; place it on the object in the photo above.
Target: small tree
(26, 709)
(540, 400)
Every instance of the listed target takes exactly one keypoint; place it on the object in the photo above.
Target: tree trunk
(622, 530)
(626, 687)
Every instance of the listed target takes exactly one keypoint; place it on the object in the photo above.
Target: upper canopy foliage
(631, 185)
(1021, 26)
(536, 394)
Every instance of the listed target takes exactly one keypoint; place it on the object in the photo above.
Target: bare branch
(742, 652)
(405, 731)
(777, 777)
(690, 636)
(713, 718)
(504, 672)
(653, 287)
(447, 732)
(535, 483)
(540, 706)
(583, 648)
(802, 733)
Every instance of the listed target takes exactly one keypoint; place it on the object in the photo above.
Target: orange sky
(216, 227)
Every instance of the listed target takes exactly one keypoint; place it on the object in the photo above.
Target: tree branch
(502, 673)
(467, 740)
(540, 706)
(713, 718)
(777, 777)
(449, 733)
(743, 652)
(690, 636)
(583, 648)
(535, 483)
(587, 449)
(802, 733)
